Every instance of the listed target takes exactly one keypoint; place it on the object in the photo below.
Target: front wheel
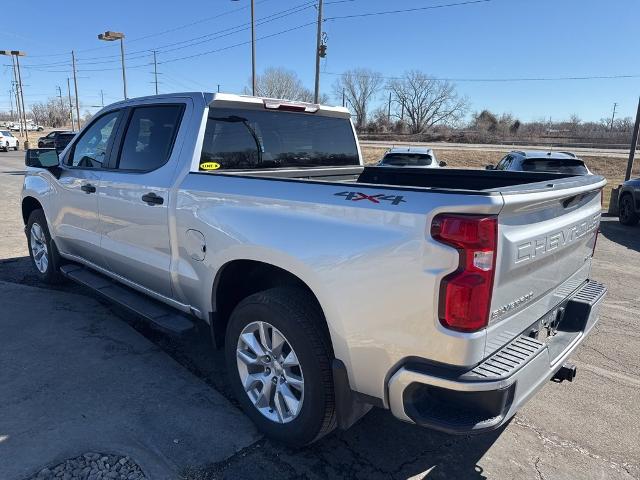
(627, 215)
(279, 363)
(42, 250)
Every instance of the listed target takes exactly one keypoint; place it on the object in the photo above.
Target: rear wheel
(42, 250)
(627, 215)
(279, 363)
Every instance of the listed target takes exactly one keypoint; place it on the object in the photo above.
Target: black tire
(52, 273)
(296, 315)
(627, 215)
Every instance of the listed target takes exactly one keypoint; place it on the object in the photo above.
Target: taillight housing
(465, 295)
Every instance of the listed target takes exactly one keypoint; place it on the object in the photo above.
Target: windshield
(571, 167)
(406, 160)
(245, 139)
(6, 133)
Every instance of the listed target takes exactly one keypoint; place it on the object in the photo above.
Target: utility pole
(155, 70)
(61, 101)
(75, 87)
(70, 104)
(389, 109)
(343, 98)
(316, 92)
(102, 97)
(18, 104)
(11, 102)
(613, 116)
(253, 50)
(634, 144)
(18, 54)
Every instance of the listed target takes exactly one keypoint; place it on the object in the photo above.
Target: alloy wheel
(270, 372)
(39, 248)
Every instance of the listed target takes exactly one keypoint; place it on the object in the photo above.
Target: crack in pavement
(537, 467)
(572, 445)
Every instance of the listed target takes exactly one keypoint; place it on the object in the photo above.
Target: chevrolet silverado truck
(447, 296)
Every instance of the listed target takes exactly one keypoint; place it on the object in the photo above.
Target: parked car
(61, 140)
(8, 141)
(540, 161)
(32, 127)
(448, 298)
(629, 202)
(421, 157)
(48, 141)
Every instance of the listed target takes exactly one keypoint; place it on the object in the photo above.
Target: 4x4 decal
(357, 196)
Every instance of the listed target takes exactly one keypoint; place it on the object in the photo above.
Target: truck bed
(441, 180)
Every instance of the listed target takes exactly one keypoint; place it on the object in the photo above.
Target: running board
(158, 314)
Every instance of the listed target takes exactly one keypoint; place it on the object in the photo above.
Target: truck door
(135, 198)
(76, 223)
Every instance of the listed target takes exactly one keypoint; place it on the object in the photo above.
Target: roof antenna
(550, 150)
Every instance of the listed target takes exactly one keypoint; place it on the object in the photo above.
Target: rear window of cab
(237, 139)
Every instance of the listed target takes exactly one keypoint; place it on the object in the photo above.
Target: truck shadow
(628, 237)
(378, 446)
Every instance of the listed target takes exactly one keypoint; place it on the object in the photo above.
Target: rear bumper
(487, 396)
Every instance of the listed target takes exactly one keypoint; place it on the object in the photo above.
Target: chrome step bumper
(486, 396)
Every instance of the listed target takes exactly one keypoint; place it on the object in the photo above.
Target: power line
(407, 10)
(507, 79)
(183, 43)
(238, 44)
(102, 47)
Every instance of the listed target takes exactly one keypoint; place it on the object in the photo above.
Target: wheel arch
(29, 204)
(237, 279)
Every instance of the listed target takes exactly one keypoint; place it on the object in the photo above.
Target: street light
(110, 37)
(15, 54)
(253, 48)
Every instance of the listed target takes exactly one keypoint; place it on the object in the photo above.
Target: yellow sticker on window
(209, 166)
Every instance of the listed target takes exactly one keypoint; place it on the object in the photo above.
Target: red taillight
(465, 295)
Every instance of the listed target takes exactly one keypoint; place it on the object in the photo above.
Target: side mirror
(489, 167)
(442, 163)
(41, 158)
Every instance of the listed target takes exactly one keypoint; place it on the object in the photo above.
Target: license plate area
(549, 325)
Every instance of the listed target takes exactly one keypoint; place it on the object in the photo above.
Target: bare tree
(53, 113)
(359, 86)
(277, 82)
(427, 101)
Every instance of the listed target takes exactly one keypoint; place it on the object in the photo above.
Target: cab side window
(149, 137)
(90, 150)
(505, 163)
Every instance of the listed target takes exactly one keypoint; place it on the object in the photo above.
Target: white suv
(8, 141)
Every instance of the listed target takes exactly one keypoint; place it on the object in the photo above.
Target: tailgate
(545, 245)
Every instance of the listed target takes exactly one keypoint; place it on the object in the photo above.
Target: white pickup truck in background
(447, 296)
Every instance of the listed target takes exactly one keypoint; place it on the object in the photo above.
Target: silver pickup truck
(446, 296)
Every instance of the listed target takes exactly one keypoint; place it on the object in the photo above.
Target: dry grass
(612, 169)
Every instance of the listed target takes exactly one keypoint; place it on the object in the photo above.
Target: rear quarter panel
(372, 266)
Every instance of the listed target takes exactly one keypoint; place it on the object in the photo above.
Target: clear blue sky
(493, 40)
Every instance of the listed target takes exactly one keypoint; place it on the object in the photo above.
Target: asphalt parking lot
(586, 429)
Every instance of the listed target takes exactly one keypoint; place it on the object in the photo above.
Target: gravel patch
(93, 466)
